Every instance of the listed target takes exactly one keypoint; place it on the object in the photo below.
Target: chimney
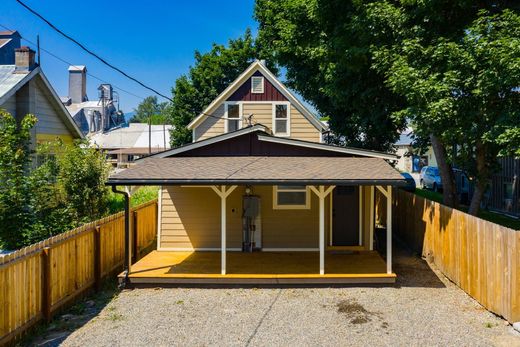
(23, 60)
(9, 41)
(77, 84)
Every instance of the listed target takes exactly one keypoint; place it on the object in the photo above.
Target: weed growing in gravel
(355, 312)
(114, 317)
(179, 302)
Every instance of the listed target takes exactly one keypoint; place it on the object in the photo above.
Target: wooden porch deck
(164, 267)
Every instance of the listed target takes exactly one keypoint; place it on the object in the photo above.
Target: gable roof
(11, 82)
(263, 135)
(254, 67)
(210, 141)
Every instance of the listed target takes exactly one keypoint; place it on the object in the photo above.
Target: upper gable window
(233, 118)
(281, 119)
(257, 84)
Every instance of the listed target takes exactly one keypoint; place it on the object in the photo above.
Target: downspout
(128, 257)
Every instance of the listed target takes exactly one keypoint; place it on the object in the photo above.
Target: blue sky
(153, 40)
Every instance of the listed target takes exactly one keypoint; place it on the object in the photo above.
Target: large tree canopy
(209, 76)
(461, 91)
(326, 48)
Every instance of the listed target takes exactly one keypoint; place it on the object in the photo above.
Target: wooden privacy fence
(38, 280)
(481, 257)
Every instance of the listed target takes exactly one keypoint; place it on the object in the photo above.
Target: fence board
(72, 268)
(481, 257)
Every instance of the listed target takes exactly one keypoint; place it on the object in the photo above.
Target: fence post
(47, 284)
(136, 254)
(97, 258)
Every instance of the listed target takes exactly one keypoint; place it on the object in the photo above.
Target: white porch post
(388, 194)
(389, 230)
(371, 229)
(223, 193)
(360, 190)
(322, 193)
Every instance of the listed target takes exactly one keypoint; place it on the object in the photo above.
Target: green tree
(460, 90)
(149, 108)
(63, 188)
(209, 76)
(326, 48)
(15, 190)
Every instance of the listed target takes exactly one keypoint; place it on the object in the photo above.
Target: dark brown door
(345, 216)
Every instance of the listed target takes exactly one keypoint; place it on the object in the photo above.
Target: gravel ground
(422, 309)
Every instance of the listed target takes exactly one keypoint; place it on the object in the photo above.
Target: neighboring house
(92, 116)
(504, 191)
(305, 208)
(409, 159)
(25, 89)
(125, 144)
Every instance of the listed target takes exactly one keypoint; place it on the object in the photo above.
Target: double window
(291, 197)
(233, 117)
(281, 119)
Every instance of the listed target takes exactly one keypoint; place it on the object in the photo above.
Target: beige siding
(262, 113)
(210, 126)
(191, 219)
(301, 128)
(48, 120)
(10, 105)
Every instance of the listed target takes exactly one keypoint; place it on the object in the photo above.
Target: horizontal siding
(190, 218)
(10, 105)
(48, 120)
(211, 126)
(262, 113)
(301, 128)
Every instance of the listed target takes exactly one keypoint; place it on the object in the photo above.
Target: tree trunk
(449, 190)
(483, 176)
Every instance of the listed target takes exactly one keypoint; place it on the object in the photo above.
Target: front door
(345, 216)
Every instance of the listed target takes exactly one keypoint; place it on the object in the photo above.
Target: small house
(259, 198)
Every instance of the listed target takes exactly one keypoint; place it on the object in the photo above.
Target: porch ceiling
(259, 170)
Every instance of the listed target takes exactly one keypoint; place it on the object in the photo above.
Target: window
(291, 197)
(233, 118)
(257, 85)
(281, 119)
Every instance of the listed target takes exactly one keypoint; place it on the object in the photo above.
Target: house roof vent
(257, 84)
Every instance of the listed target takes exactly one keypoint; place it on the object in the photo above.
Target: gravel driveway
(422, 309)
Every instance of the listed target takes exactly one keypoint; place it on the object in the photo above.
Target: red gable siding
(243, 93)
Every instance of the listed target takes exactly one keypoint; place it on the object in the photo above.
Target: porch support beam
(360, 220)
(389, 230)
(223, 192)
(322, 193)
(372, 222)
(388, 194)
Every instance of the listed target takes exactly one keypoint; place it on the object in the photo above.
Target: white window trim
(288, 133)
(307, 205)
(262, 84)
(226, 119)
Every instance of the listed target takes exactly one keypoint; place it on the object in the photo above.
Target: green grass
(142, 195)
(493, 217)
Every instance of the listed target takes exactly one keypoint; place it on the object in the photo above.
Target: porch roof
(259, 170)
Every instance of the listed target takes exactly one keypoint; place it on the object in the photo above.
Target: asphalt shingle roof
(200, 170)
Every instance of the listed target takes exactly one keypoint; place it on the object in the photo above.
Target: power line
(91, 52)
(68, 63)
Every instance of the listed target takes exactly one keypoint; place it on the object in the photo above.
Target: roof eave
(201, 182)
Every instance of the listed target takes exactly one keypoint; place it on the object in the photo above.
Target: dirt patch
(355, 312)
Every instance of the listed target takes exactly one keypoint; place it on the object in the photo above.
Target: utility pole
(150, 134)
